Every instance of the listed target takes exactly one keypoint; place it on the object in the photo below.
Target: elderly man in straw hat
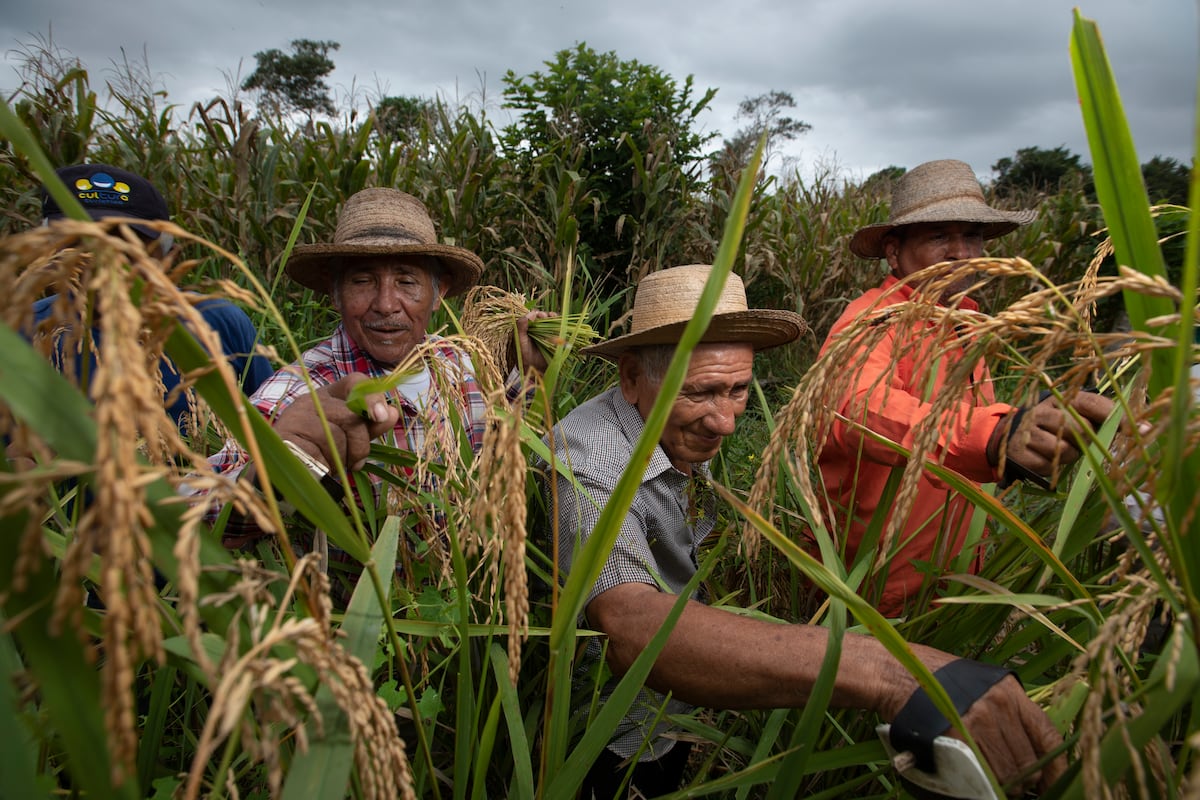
(715, 658)
(385, 273)
(938, 214)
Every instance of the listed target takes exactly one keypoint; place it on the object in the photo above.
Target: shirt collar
(633, 425)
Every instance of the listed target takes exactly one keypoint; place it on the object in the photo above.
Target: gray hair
(654, 359)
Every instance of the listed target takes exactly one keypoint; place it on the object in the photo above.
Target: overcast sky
(881, 82)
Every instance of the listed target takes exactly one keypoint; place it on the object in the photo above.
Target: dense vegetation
(225, 677)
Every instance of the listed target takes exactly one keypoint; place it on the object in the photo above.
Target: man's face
(923, 244)
(386, 303)
(713, 396)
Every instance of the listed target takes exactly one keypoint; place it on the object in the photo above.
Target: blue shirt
(238, 337)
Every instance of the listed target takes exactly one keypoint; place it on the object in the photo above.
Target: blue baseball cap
(105, 191)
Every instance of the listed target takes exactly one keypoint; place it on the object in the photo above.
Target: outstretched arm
(722, 660)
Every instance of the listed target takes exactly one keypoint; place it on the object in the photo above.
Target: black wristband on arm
(919, 722)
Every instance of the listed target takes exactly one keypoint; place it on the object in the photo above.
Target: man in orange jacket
(938, 214)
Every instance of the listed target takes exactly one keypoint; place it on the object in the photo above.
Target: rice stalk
(498, 517)
(259, 679)
(442, 468)
(490, 314)
(1032, 333)
(113, 525)
(1106, 706)
(106, 282)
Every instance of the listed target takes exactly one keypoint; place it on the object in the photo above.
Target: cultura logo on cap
(102, 188)
(107, 191)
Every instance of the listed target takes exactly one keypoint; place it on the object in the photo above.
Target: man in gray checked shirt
(714, 658)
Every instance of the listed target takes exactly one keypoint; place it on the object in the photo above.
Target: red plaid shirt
(448, 393)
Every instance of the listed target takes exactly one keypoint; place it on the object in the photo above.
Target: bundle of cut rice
(490, 314)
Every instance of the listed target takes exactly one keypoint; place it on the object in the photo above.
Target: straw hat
(937, 191)
(666, 300)
(382, 222)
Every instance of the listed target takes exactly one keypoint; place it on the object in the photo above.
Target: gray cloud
(881, 83)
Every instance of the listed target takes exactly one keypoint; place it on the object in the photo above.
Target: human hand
(532, 357)
(1011, 731)
(351, 434)
(1046, 436)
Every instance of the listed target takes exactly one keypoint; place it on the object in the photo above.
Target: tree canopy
(1038, 170)
(602, 115)
(403, 118)
(295, 82)
(764, 114)
(1167, 180)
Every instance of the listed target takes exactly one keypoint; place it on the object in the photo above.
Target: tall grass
(234, 674)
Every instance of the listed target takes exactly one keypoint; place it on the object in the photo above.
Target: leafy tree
(765, 113)
(881, 182)
(603, 116)
(403, 118)
(1040, 171)
(1167, 180)
(295, 82)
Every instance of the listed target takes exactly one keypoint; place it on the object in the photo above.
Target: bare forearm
(723, 660)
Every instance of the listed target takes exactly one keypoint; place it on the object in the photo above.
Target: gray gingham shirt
(659, 536)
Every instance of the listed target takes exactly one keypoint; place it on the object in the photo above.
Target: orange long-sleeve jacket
(892, 395)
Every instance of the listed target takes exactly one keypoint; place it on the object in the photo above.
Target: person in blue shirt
(106, 191)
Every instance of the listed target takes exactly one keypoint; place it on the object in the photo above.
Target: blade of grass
(518, 742)
(600, 543)
(23, 142)
(599, 731)
(804, 738)
(68, 684)
(1122, 195)
(150, 747)
(18, 757)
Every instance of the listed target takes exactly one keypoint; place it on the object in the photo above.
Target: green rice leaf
(591, 557)
(356, 400)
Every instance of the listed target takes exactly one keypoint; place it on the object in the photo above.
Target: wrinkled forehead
(918, 230)
(401, 264)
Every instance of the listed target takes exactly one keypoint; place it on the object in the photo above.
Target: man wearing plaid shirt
(715, 658)
(385, 274)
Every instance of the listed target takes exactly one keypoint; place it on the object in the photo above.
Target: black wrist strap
(919, 722)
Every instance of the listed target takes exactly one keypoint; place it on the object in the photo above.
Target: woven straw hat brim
(762, 328)
(868, 242)
(313, 265)
(937, 191)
